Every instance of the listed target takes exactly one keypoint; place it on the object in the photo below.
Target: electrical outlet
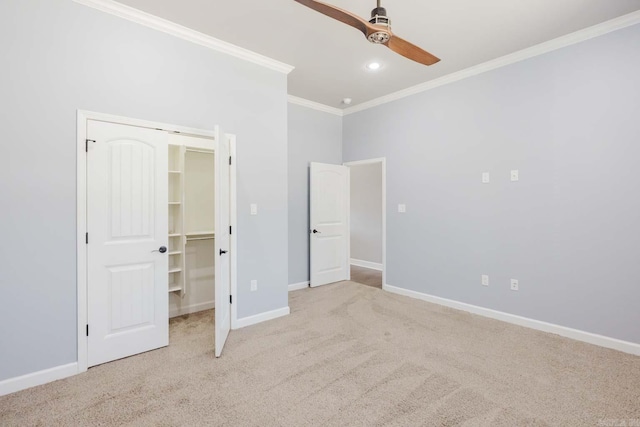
(485, 177)
(402, 208)
(514, 284)
(485, 280)
(515, 175)
(254, 285)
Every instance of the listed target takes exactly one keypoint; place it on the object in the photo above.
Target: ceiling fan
(377, 30)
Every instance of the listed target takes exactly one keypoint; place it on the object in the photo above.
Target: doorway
(367, 221)
(332, 231)
(150, 196)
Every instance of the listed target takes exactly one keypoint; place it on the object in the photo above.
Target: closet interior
(191, 224)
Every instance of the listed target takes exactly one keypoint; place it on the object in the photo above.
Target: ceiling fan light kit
(377, 30)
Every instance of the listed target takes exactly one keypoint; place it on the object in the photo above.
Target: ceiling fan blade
(411, 51)
(337, 14)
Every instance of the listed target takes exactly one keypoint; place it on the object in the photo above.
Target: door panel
(223, 243)
(131, 179)
(329, 224)
(130, 297)
(127, 220)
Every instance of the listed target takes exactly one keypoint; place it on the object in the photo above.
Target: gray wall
(366, 212)
(314, 136)
(60, 56)
(568, 230)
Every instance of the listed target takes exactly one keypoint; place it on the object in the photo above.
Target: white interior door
(127, 221)
(329, 220)
(222, 247)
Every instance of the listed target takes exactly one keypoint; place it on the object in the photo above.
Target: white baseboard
(366, 264)
(33, 379)
(193, 308)
(262, 317)
(298, 286)
(588, 337)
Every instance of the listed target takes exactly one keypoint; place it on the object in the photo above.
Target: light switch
(515, 175)
(485, 177)
(485, 280)
(254, 285)
(402, 208)
(254, 209)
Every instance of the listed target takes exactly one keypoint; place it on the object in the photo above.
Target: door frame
(383, 162)
(81, 211)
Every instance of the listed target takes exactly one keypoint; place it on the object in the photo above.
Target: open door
(222, 244)
(329, 222)
(127, 260)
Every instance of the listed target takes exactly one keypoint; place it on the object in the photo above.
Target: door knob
(315, 231)
(161, 249)
(222, 252)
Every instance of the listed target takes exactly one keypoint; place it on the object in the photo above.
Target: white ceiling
(330, 57)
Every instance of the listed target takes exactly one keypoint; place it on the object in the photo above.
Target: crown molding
(540, 49)
(168, 27)
(315, 105)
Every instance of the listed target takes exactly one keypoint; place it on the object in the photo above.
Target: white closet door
(127, 240)
(329, 219)
(223, 262)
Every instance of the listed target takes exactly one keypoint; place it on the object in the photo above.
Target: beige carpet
(348, 355)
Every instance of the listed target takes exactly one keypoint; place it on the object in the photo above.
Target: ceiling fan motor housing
(379, 17)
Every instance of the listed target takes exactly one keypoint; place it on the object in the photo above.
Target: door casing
(81, 213)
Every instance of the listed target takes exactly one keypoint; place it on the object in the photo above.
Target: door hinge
(87, 330)
(86, 237)
(230, 229)
(229, 160)
(86, 144)
(230, 299)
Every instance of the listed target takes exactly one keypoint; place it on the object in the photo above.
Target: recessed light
(373, 66)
